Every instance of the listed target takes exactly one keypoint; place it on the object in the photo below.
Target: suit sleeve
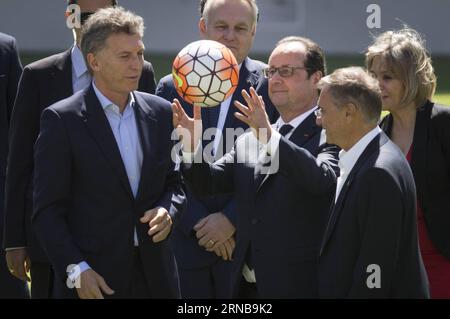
(147, 83)
(15, 71)
(22, 136)
(208, 179)
(313, 174)
(52, 193)
(165, 91)
(230, 211)
(195, 210)
(381, 223)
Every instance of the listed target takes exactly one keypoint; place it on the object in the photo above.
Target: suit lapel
(373, 146)
(147, 128)
(98, 125)
(420, 139)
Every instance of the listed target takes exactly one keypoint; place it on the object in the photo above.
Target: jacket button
(254, 221)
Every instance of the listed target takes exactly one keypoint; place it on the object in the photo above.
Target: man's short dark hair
(315, 58)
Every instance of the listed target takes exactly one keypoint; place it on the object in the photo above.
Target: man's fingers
(148, 216)
(198, 113)
(232, 243)
(254, 96)
(242, 118)
(244, 110)
(205, 241)
(176, 106)
(104, 287)
(160, 236)
(96, 292)
(228, 247)
(248, 99)
(200, 224)
(162, 218)
(224, 253)
(261, 101)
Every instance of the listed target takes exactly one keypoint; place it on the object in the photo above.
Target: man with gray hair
(43, 83)
(370, 247)
(106, 191)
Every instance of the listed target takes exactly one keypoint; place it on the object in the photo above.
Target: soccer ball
(205, 73)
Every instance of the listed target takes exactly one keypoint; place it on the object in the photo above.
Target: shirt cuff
(74, 272)
(14, 248)
(274, 143)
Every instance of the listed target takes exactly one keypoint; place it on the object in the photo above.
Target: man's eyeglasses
(284, 71)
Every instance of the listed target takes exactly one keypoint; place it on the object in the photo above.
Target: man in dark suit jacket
(283, 197)
(370, 247)
(43, 83)
(10, 71)
(106, 190)
(206, 274)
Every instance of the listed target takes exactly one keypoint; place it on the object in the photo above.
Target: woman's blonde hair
(404, 54)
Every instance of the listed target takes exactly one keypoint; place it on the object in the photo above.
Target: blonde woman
(421, 128)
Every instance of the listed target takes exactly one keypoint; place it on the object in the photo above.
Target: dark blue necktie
(286, 128)
(212, 114)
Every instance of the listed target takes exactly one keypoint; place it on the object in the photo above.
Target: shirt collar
(105, 102)
(78, 63)
(347, 159)
(296, 121)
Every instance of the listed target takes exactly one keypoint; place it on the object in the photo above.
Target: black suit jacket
(374, 223)
(430, 165)
(43, 83)
(84, 208)
(189, 253)
(281, 217)
(10, 71)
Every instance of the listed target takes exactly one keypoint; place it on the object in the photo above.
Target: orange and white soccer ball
(205, 73)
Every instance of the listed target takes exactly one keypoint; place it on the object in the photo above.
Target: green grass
(443, 98)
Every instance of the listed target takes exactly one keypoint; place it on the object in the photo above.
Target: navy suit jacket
(374, 223)
(10, 71)
(189, 253)
(43, 83)
(84, 208)
(280, 219)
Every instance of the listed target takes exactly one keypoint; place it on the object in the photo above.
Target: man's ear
(350, 110)
(92, 62)
(202, 27)
(316, 76)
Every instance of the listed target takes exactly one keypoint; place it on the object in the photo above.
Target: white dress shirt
(348, 159)
(224, 107)
(81, 78)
